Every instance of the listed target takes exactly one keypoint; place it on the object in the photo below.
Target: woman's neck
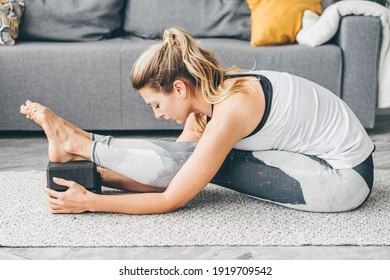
(199, 104)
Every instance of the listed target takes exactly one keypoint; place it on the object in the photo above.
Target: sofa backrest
(91, 20)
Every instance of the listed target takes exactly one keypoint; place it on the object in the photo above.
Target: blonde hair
(178, 55)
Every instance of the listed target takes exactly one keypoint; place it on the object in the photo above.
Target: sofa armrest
(359, 38)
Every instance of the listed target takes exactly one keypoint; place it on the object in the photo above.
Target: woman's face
(173, 106)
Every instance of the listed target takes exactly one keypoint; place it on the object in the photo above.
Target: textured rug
(217, 216)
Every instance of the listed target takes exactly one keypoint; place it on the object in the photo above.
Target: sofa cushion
(277, 22)
(79, 81)
(77, 20)
(88, 83)
(202, 18)
(11, 12)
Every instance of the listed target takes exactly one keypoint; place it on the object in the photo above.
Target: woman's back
(307, 118)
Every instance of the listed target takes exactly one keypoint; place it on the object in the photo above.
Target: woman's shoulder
(245, 107)
(246, 87)
(246, 95)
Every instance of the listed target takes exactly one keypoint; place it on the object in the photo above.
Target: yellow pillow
(277, 22)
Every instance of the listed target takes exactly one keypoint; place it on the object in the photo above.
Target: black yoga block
(82, 172)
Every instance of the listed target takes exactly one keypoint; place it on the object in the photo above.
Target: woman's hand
(74, 200)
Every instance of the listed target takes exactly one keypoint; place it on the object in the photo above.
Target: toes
(28, 104)
(23, 110)
(31, 108)
(35, 111)
(28, 110)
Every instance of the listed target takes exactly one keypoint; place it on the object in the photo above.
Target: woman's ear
(180, 87)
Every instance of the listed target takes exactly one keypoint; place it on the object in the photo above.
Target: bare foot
(61, 136)
(29, 112)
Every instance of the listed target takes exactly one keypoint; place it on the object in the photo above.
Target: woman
(271, 135)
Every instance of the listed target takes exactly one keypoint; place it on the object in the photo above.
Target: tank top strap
(267, 90)
(212, 110)
(237, 75)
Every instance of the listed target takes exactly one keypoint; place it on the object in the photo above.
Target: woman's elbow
(171, 204)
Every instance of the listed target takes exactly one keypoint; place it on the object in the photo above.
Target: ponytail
(179, 56)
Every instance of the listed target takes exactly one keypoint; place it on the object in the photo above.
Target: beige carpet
(216, 217)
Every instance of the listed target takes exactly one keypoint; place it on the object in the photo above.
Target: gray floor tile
(322, 253)
(12, 253)
(201, 253)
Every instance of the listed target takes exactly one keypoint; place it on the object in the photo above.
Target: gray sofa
(86, 80)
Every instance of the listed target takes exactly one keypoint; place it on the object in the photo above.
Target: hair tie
(169, 39)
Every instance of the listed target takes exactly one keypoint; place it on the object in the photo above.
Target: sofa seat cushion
(202, 18)
(77, 20)
(79, 81)
(88, 83)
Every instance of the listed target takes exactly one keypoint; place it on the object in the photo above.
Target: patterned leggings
(293, 180)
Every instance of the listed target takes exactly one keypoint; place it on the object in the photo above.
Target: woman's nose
(158, 115)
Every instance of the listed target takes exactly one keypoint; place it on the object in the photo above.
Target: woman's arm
(76, 199)
(195, 174)
(220, 136)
